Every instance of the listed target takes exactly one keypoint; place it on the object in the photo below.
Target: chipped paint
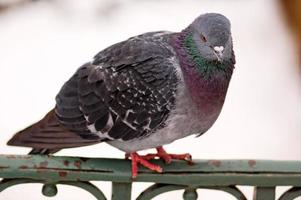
(84, 159)
(78, 164)
(66, 163)
(252, 163)
(215, 163)
(43, 164)
(23, 167)
(62, 173)
(4, 167)
(11, 156)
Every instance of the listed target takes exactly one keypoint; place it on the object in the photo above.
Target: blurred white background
(44, 42)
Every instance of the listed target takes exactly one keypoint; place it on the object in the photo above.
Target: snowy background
(44, 42)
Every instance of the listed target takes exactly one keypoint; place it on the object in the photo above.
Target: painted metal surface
(223, 175)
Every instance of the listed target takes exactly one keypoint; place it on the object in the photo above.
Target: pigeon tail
(49, 136)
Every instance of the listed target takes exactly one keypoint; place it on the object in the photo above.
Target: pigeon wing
(128, 90)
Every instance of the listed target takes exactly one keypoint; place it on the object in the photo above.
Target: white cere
(218, 48)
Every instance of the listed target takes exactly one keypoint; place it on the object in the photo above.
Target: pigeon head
(210, 37)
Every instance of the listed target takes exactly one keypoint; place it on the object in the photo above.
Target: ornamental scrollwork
(49, 189)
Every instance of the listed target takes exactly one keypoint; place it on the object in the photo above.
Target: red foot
(136, 159)
(161, 153)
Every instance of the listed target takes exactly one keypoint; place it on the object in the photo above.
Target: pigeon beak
(218, 51)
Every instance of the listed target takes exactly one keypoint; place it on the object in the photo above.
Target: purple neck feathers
(207, 92)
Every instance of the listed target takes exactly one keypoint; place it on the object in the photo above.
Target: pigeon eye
(203, 38)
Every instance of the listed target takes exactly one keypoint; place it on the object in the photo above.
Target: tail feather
(49, 134)
(43, 151)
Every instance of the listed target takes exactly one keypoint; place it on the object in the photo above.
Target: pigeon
(142, 93)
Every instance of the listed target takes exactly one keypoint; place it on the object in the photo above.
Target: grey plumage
(139, 93)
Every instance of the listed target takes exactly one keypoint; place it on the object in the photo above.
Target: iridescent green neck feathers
(206, 68)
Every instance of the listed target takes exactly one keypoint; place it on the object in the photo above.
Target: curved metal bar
(233, 190)
(6, 183)
(89, 187)
(291, 194)
(158, 189)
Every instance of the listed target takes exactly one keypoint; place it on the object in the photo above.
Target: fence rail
(223, 175)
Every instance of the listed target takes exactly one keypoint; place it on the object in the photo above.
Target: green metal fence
(223, 175)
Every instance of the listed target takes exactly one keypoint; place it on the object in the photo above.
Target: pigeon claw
(137, 159)
(162, 154)
(186, 157)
